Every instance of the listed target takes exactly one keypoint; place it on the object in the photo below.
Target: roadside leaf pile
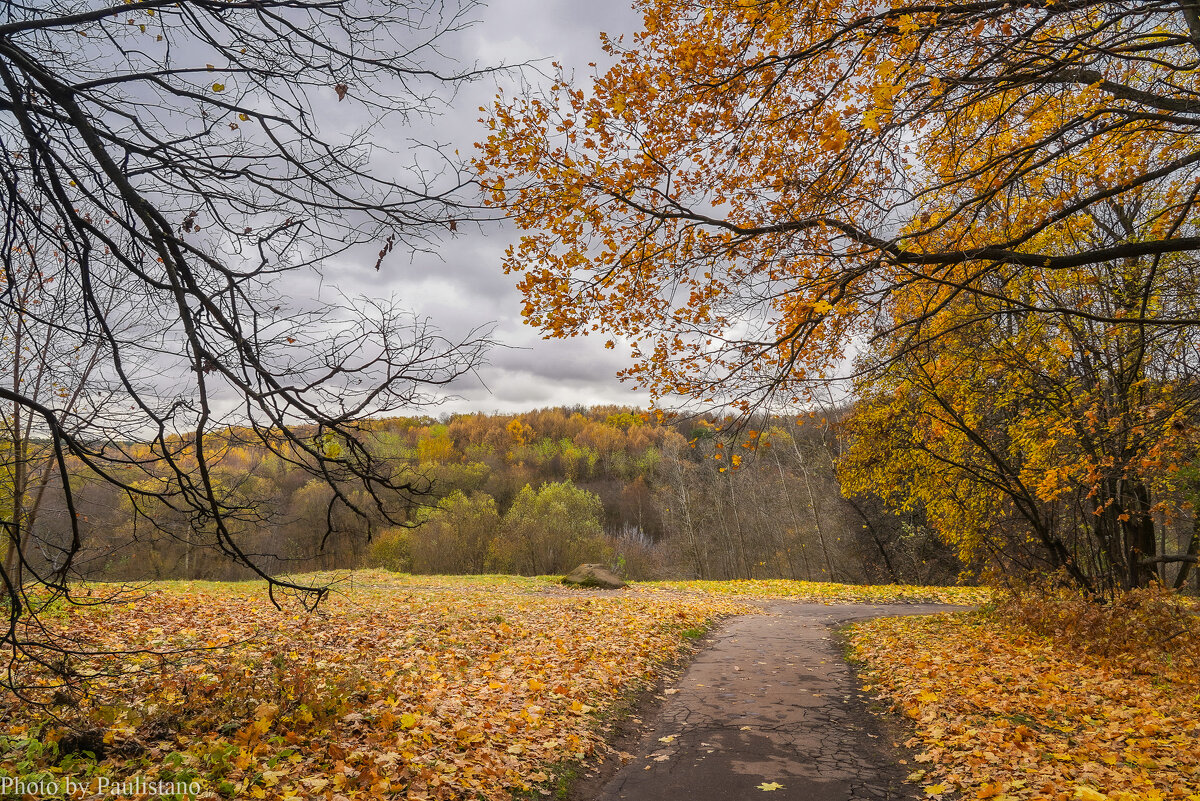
(434, 688)
(829, 592)
(1007, 708)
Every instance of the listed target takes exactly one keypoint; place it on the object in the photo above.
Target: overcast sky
(465, 287)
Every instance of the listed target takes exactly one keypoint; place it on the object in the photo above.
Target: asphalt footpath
(769, 710)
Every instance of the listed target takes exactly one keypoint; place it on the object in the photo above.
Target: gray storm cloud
(461, 286)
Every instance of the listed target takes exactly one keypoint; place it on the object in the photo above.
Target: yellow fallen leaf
(768, 786)
(1083, 793)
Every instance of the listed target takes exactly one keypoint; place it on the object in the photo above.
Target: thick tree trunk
(1140, 540)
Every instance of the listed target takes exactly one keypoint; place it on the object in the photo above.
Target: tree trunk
(1185, 568)
(1140, 540)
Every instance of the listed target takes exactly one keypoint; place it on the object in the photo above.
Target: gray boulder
(596, 576)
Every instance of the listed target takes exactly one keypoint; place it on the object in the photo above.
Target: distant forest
(529, 493)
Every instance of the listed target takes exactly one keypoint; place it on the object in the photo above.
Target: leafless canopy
(163, 164)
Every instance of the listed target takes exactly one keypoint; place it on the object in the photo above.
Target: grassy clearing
(829, 592)
(1007, 708)
(401, 687)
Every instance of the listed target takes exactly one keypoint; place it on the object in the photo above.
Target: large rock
(597, 576)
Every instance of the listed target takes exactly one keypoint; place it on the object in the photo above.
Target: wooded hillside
(652, 498)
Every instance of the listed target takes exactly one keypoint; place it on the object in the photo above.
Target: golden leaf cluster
(1003, 712)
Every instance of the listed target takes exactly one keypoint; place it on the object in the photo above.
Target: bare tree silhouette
(162, 166)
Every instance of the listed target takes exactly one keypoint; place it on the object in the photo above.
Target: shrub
(637, 558)
(1151, 622)
(455, 537)
(550, 531)
(391, 549)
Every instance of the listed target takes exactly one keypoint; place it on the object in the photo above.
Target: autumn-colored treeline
(522, 493)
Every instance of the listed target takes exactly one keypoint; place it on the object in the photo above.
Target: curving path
(769, 702)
